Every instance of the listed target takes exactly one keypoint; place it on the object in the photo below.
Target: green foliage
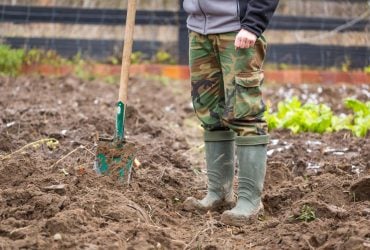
(319, 118)
(80, 68)
(165, 81)
(357, 106)
(341, 122)
(163, 57)
(361, 122)
(301, 118)
(111, 80)
(10, 60)
(307, 214)
(367, 69)
(114, 60)
(346, 65)
(137, 57)
(283, 66)
(49, 57)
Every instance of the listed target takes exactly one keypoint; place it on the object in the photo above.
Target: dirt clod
(361, 189)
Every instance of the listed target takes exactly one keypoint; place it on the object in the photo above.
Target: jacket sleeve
(258, 15)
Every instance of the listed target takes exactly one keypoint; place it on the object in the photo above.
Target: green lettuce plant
(319, 118)
(361, 121)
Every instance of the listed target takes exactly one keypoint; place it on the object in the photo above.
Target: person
(227, 51)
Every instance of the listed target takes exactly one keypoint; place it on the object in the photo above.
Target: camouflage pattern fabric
(226, 83)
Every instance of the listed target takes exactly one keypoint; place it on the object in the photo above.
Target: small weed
(49, 57)
(112, 80)
(51, 143)
(165, 81)
(307, 213)
(114, 60)
(283, 66)
(81, 68)
(367, 69)
(10, 60)
(346, 65)
(163, 57)
(137, 57)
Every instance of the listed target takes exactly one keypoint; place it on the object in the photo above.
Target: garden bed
(316, 193)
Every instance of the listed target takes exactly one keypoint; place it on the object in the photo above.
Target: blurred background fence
(303, 33)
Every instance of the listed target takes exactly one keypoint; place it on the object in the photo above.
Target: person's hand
(245, 39)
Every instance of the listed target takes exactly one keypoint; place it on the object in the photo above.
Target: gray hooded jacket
(221, 16)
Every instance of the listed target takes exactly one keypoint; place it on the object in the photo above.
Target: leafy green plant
(283, 66)
(163, 57)
(361, 121)
(319, 118)
(346, 65)
(367, 69)
(111, 79)
(10, 60)
(33, 56)
(341, 122)
(80, 68)
(137, 57)
(301, 118)
(114, 60)
(50, 57)
(307, 213)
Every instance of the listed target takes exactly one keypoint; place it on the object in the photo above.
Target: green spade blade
(120, 122)
(115, 158)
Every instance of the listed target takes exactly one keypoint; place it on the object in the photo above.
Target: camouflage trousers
(226, 83)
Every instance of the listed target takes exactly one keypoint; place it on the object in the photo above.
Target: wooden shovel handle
(127, 50)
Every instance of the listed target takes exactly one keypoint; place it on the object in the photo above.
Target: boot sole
(231, 219)
(191, 204)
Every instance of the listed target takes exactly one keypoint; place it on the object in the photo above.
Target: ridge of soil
(48, 201)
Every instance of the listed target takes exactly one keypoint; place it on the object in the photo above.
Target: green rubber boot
(251, 154)
(219, 147)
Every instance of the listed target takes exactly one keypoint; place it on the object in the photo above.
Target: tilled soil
(51, 198)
